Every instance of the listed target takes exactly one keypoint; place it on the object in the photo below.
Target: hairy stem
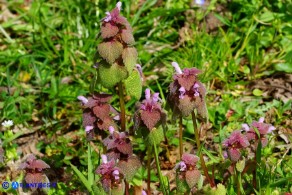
(158, 170)
(180, 137)
(203, 164)
(122, 106)
(126, 188)
(148, 170)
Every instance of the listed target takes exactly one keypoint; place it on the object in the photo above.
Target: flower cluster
(187, 171)
(187, 92)
(97, 113)
(118, 145)
(149, 112)
(119, 157)
(34, 169)
(262, 128)
(254, 133)
(234, 144)
(111, 176)
(116, 50)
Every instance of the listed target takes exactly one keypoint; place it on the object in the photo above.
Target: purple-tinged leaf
(127, 36)
(108, 30)
(192, 177)
(102, 111)
(150, 119)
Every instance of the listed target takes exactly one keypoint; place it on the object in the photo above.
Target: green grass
(48, 49)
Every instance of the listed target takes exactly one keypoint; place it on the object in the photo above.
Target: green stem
(180, 137)
(254, 178)
(93, 83)
(148, 170)
(90, 166)
(122, 106)
(158, 170)
(238, 182)
(203, 164)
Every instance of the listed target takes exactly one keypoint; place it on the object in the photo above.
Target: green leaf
(257, 92)
(155, 136)
(110, 51)
(267, 17)
(285, 67)
(97, 189)
(133, 85)
(138, 177)
(222, 19)
(130, 56)
(246, 69)
(10, 139)
(110, 75)
(129, 167)
(181, 185)
(82, 178)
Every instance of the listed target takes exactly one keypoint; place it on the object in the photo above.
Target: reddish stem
(203, 164)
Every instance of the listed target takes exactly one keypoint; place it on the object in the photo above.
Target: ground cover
(48, 50)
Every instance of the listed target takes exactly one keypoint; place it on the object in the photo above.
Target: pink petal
(104, 158)
(155, 97)
(88, 128)
(271, 128)
(111, 129)
(147, 94)
(83, 99)
(119, 5)
(176, 67)
(261, 120)
(108, 17)
(245, 127)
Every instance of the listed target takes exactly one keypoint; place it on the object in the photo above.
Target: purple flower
(187, 170)
(118, 145)
(262, 128)
(196, 89)
(116, 174)
(234, 144)
(97, 113)
(187, 92)
(182, 92)
(110, 174)
(150, 112)
(139, 68)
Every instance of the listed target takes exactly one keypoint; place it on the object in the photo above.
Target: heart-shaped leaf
(109, 30)
(130, 56)
(110, 51)
(133, 85)
(110, 75)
